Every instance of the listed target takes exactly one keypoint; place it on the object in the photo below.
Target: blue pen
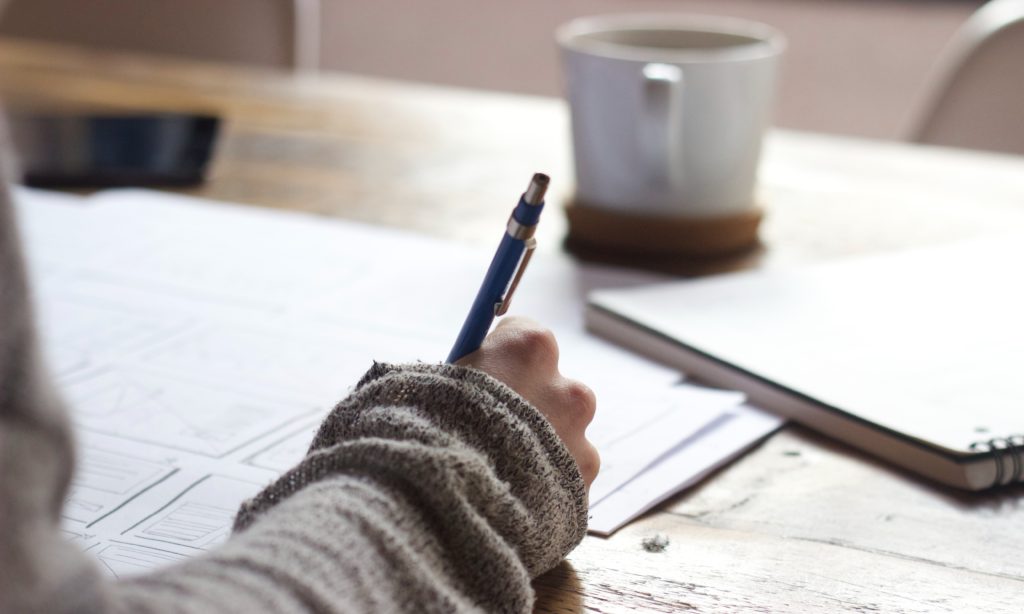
(514, 251)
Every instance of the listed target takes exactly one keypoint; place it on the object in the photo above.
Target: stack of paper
(199, 345)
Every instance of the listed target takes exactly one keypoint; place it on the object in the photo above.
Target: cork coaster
(592, 229)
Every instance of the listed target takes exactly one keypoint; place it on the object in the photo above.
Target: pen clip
(502, 306)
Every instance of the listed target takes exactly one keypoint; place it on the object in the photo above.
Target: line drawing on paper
(105, 480)
(77, 332)
(295, 363)
(175, 413)
(200, 516)
(119, 560)
(286, 452)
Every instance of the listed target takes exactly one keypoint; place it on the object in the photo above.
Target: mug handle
(661, 126)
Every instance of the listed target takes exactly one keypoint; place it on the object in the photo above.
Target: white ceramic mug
(668, 111)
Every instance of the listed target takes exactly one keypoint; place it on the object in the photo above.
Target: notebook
(915, 356)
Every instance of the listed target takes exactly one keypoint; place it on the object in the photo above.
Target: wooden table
(800, 524)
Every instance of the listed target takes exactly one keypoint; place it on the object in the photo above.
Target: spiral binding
(999, 447)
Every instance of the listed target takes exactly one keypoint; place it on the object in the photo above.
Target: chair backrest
(282, 33)
(976, 99)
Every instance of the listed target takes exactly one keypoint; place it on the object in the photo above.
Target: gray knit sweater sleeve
(432, 488)
(442, 484)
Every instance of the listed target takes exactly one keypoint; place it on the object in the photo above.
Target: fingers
(569, 405)
(588, 460)
(578, 406)
(580, 402)
(524, 355)
(526, 342)
(520, 353)
(520, 321)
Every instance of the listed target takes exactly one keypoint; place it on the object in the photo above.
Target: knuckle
(581, 400)
(536, 343)
(589, 463)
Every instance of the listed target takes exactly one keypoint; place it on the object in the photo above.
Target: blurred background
(869, 68)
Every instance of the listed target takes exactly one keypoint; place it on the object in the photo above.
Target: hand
(524, 356)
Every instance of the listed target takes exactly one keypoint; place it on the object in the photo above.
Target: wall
(854, 67)
(256, 31)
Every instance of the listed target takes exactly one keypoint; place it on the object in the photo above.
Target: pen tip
(538, 186)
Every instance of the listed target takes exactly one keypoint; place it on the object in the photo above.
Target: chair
(977, 95)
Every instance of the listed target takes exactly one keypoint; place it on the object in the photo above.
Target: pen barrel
(481, 314)
(527, 214)
(504, 273)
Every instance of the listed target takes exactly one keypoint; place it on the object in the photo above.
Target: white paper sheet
(691, 461)
(199, 345)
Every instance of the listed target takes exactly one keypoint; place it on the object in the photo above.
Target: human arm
(255, 570)
(430, 488)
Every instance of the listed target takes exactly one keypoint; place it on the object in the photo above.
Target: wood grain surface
(801, 523)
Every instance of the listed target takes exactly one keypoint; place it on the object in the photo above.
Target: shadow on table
(1001, 499)
(559, 590)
